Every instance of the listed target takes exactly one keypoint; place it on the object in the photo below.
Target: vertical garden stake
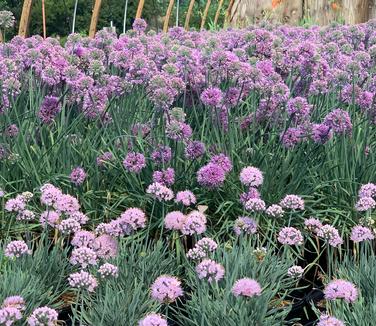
(218, 12)
(168, 14)
(189, 14)
(125, 16)
(139, 8)
(94, 18)
(205, 14)
(44, 19)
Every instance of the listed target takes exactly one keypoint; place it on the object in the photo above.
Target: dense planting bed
(189, 178)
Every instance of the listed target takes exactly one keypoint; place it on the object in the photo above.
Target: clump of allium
(49, 109)
(83, 238)
(202, 249)
(43, 316)
(77, 176)
(16, 249)
(245, 225)
(7, 19)
(341, 289)
(134, 162)
(17, 204)
(49, 194)
(178, 131)
(160, 192)
(83, 256)
(139, 25)
(15, 301)
(364, 204)
(104, 158)
(246, 287)
(223, 161)
(251, 177)
(293, 202)
(51, 218)
(255, 205)
(25, 215)
(251, 193)
(108, 270)
(211, 96)
(165, 177)
(11, 131)
(361, 233)
(211, 176)
(174, 220)
(330, 234)
(153, 320)
(83, 281)
(210, 270)
(105, 246)
(326, 320)
(313, 224)
(298, 108)
(367, 190)
(132, 219)
(161, 155)
(69, 225)
(186, 197)
(295, 271)
(290, 236)
(321, 133)
(292, 137)
(79, 217)
(166, 289)
(194, 150)
(339, 121)
(194, 223)
(274, 211)
(9, 315)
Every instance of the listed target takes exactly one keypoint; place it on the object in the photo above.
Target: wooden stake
(1, 37)
(94, 18)
(205, 14)
(167, 17)
(44, 19)
(218, 12)
(228, 13)
(189, 14)
(25, 18)
(139, 8)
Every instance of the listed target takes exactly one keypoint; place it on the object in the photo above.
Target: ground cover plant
(189, 178)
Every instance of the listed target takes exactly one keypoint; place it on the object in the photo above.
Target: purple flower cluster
(166, 289)
(210, 270)
(202, 249)
(245, 225)
(341, 289)
(246, 287)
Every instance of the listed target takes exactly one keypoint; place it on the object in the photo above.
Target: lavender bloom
(50, 218)
(178, 131)
(313, 224)
(69, 225)
(361, 233)
(134, 162)
(223, 161)
(298, 108)
(79, 217)
(17, 204)
(326, 320)
(246, 287)
(295, 272)
(83, 256)
(132, 219)
(186, 197)
(15, 301)
(364, 204)
(105, 246)
(293, 202)
(211, 96)
(78, 176)
(165, 177)
(161, 155)
(255, 205)
(16, 249)
(160, 192)
(330, 234)
(25, 215)
(339, 121)
(210, 270)
(139, 25)
(83, 238)
(251, 177)
(166, 289)
(202, 249)
(194, 223)
(83, 280)
(108, 270)
(246, 225)
(367, 190)
(43, 316)
(153, 320)
(274, 211)
(194, 150)
(251, 193)
(211, 176)
(290, 236)
(341, 289)
(49, 109)
(321, 133)
(174, 220)
(9, 315)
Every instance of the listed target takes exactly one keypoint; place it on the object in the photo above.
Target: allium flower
(313, 224)
(67, 204)
(321, 133)
(83, 238)
(202, 249)
(340, 121)
(11, 131)
(178, 131)
(50, 218)
(274, 211)
(165, 177)
(16, 249)
(251, 193)
(166, 289)
(161, 155)
(364, 204)
(50, 194)
(223, 161)
(104, 158)
(78, 176)
(174, 220)
(367, 190)
(17, 204)
(9, 315)
(160, 192)
(7, 19)
(105, 246)
(83, 280)
(49, 109)
(132, 219)
(210, 270)
(185, 197)
(194, 150)
(211, 96)
(139, 25)
(69, 225)
(298, 108)
(295, 272)
(246, 287)
(25, 215)
(361, 233)
(83, 256)
(153, 320)
(79, 217)
(194, 223)
(211, 176)
(15, 301)
(330, 234)
(291, 137)
(290, 236)
(246, 225)
(292, 202)
(341, 289)
(251, 176)
(134, 162)
(326, 320)
(255, 205)
(43, 316)
(108, 270)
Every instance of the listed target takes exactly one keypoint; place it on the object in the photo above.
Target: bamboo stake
(228, 13)
(139, 8)
(218, 12)
(177, 13)
(94, 18)
(189, 14)
(25, 18)
(168, 14)
(125, 16)
(44, 19)
(1, 37)
(205, 14)
(74, 16)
